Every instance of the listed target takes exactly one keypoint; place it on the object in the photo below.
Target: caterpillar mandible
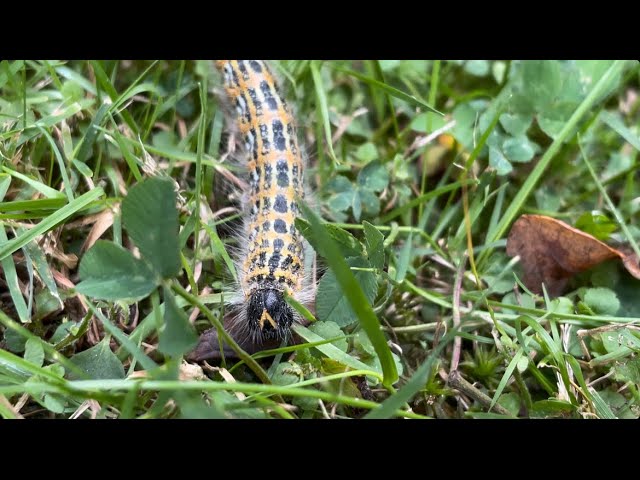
(272, 260)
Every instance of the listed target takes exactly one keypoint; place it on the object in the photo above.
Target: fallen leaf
(103, 221)
(551, 252)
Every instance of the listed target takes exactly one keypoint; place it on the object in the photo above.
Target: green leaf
(427, 122)
(518, 149)
(553, 120)
(54, 403)
(109, 272)
(330, 350)
(330, 330)
(332, 303)
(356, 296)
(284, 374)
(511, 401)
(602, 301)
(366, 152)
(498, 161)
(618, 341)
(598, 225)
(562, 305)
(348, 244)
(541, 81)
(33, 352)
(150, 216)
(478, 68)
(178, 336)
(551, 408)
(363, 345)
(374, 176)
(14, 341)
(374, 241)
(515, 124)
(629, 371)
(369, 201)
(356, 204)
(99, 362)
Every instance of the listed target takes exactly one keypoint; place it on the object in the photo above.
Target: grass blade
(321, 98)
(394, 92)
(616, 124)
(39, 186)
(356, 297)
(11, 277)
(50, 222)
(413, 386)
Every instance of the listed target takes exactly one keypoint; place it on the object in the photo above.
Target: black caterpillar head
(269, 315)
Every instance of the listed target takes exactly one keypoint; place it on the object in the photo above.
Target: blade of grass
(61, 164)
(404, 258)
(31, 205)
(39, 186)
(507, 375)
(46, 346)
(222, 333)
(199, 152)
(417, 382)
(88, 388)
(125, 341)
(616, 124)
(321, 98)
(218, 247)
(394, 92)
(105, 84)
(11, 277)
(607, 199)
(423, 198)
(50, 222)
(356, 297)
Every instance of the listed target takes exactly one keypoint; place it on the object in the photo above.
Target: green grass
(420, 315)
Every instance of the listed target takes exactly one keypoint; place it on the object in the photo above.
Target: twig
(457, 341)
(456, 381)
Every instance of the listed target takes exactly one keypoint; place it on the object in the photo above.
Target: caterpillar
(271, 259)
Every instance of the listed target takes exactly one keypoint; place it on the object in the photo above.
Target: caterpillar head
(268, 314)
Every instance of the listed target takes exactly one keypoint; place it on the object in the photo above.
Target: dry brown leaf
(103, 222)
(551, 252)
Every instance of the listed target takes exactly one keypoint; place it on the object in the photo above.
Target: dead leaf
(551, 252)
(103, 222)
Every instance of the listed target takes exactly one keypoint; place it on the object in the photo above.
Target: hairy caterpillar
(271, 261)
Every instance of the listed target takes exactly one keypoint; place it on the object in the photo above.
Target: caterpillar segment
(273, 257)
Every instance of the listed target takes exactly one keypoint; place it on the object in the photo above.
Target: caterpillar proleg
(271, 260)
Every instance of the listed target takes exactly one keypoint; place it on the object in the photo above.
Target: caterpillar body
(272, 259)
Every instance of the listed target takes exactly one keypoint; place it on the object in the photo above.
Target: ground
(121, 189)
